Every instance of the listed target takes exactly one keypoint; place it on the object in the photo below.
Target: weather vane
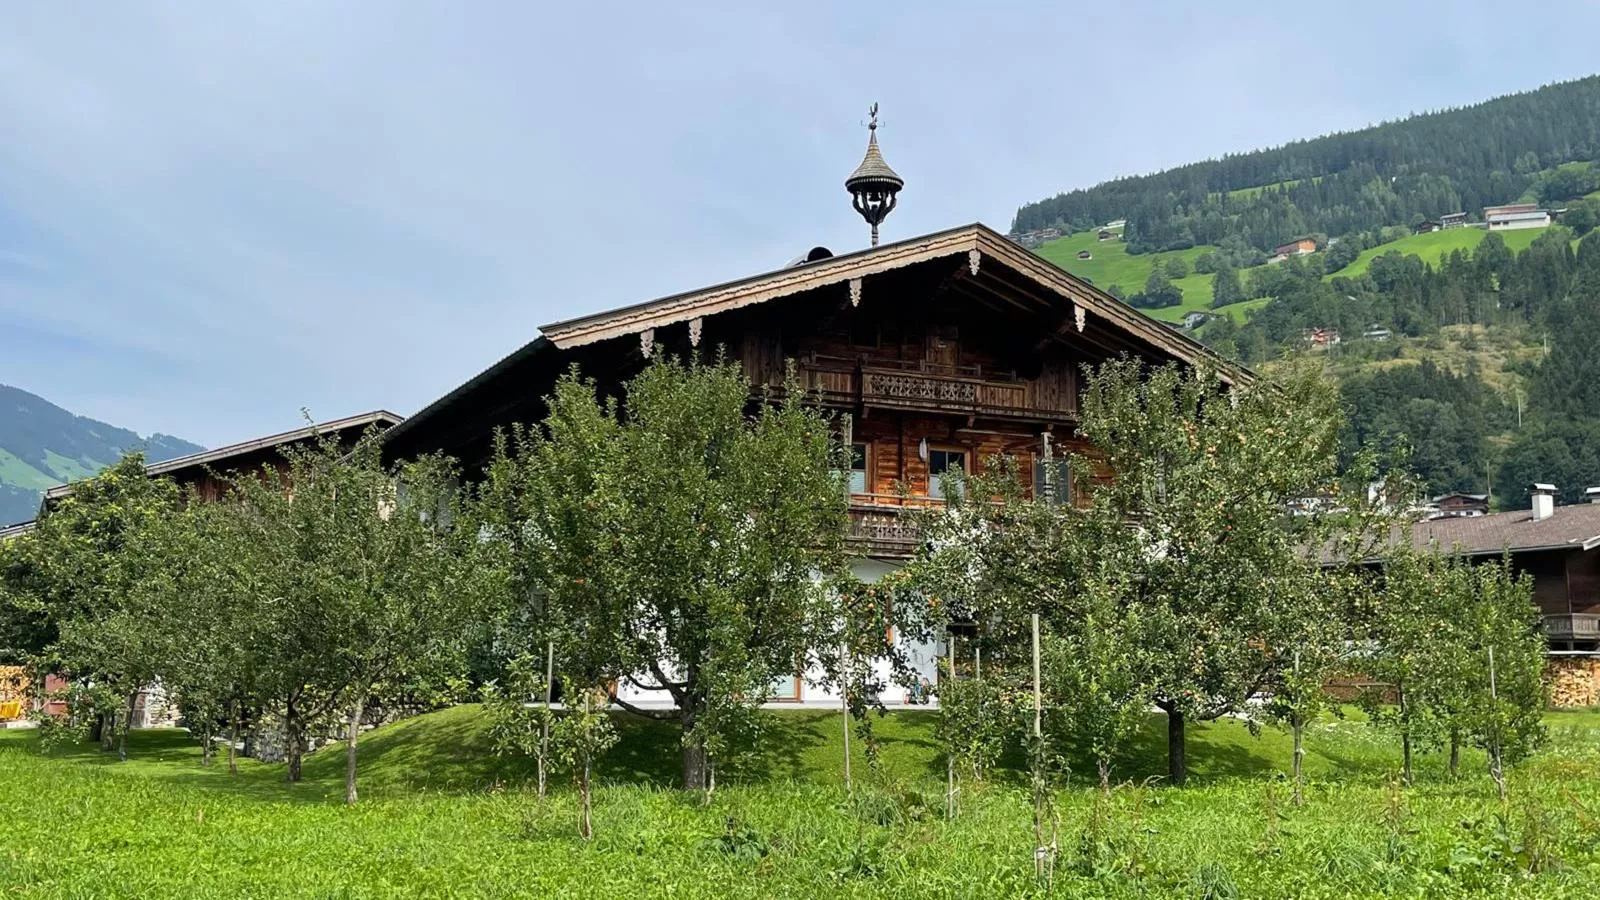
(873, 185)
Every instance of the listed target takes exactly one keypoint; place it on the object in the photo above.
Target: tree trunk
(127, 722)
(1299, 753)
(694, 765)
(1104, 766)
(207, 748)
(350, 753)
(1455, 753)
(294, 741)
(1177, 765)
(233, 738)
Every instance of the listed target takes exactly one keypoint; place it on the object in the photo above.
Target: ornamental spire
(873, 185)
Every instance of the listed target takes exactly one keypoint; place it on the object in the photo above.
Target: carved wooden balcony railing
(928, 387)
(1572, 627)
(881, 524)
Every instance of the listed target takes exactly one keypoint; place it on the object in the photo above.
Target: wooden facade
(941, 352)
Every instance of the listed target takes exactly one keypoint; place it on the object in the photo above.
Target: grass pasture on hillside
(1436, 245)
(440, 816)
(1114, 265)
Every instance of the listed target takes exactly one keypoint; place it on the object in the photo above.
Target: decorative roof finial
(873, 185)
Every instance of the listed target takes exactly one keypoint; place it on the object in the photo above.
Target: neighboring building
(1117, 224)
(1559, 547)
(1321, 338)
(1427, 227)
(1453, 220)
(1296, 247)
(1376, 332)
(1032, 240)
(1460, 504)
(943, 351)
(1194, 319)
(1106, 234)
(1084, 254)
(1516, 215)
(202, 472)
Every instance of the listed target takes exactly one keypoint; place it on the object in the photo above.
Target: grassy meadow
(1114, 265)
(441, 816)
(1433, 247)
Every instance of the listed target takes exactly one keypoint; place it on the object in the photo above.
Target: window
(945, 468)
(1060, 487)
(857, 473)
(785, 688)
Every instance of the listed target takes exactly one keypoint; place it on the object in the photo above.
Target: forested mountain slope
(1424, 166)
(1479, 349)
(42, 445)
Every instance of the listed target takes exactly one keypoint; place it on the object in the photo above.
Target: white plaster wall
(814, 693)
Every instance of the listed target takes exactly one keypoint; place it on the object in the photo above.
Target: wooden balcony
(881, 525)
(1572, 627)
(925, 387)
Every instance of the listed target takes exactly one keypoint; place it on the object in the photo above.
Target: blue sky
(215, 214)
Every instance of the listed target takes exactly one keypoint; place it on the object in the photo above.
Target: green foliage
(358, 588)
(1225, 288)
(1438, 666)
(678, 539)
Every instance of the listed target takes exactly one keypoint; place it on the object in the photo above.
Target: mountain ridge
(43, 444)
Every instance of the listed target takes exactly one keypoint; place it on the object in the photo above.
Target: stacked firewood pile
(1574, 681)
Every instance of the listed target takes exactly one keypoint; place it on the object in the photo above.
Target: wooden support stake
(1495, 769)
(549, 695)
(1038, 697)
(844, 704)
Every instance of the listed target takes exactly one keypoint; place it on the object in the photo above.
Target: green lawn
(1435, 246)
(440, 816)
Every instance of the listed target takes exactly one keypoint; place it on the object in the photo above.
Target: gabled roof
(381, 418)
(1567, 528)
(976, 240)
(976, 246)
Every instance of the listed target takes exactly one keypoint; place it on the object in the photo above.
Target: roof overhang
(977, 242)
(380, 418)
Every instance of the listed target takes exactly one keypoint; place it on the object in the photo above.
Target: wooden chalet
(937, 354)
(946, 350)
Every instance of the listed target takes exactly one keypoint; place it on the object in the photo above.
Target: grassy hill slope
(1435, 246)
(1112, 264)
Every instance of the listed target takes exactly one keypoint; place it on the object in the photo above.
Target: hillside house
(1194, 319)
(1084, 254)
(936, 353)
(1321, 338)
(1459, 503)
(1376, 332)
(1296, 247)
(1427, 227)
(1559, 547)
(1514, 216)
(1453, 220)
(1106, 234)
